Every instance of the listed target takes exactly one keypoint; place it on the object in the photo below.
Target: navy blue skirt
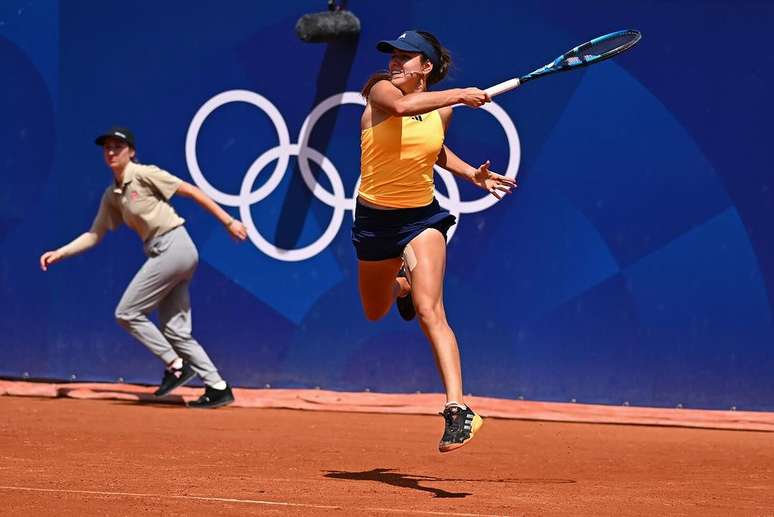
(382, 234)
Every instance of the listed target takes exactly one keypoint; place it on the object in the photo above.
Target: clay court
(62, 456)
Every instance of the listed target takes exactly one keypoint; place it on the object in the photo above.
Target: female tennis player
(400, 230)
(139, 196)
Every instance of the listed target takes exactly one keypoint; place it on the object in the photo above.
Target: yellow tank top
(396, 160)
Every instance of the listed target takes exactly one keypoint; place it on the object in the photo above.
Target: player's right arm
(389, 99)
(80, 244)
(107, 218)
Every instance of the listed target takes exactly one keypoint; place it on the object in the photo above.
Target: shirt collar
(129, 174)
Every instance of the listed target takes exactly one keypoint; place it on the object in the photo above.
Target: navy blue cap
(411, 41)
(121, 133)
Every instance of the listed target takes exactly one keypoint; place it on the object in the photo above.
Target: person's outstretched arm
(107, 219)
(83, 242)
(234, 227)
(389, 99)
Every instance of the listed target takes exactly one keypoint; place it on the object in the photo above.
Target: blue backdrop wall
(636, 262)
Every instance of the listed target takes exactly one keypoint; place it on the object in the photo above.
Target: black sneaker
(213, 398)
(461, 425)
(405, 303)
(174, 379)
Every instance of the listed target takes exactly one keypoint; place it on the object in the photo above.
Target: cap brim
(388, 46)
(100, 140)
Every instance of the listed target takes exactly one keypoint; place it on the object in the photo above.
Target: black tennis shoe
(174, 379)
(405, 303)
(461, 424)
(213, 398)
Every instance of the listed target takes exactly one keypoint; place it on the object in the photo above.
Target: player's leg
(141, 297)
(157, 277)
(175, 319)
(379, 286)
(429, 249)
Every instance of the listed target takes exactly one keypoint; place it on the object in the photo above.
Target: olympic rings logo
(337, 199)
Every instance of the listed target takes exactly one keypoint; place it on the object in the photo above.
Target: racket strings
(594, 51)
(607, 45)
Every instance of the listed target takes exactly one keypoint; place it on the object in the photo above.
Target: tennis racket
(591, 52)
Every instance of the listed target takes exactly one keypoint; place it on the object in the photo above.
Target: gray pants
(162, 282)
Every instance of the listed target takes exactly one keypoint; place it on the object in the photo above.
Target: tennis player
(400, 230)
(139, 196)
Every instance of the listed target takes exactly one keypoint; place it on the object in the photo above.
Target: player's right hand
(49, 258)
(474, 97)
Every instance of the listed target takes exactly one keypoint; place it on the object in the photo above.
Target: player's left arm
(482, 177)
(234, 227)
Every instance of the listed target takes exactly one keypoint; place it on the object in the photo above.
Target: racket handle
(503, 87)
(497, 89)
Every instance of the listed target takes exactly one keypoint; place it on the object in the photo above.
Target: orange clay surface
(66, 457)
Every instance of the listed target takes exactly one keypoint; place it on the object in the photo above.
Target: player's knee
(374, 313)
(125, 317)
(375, 308)
(429, 314)
(123, 322)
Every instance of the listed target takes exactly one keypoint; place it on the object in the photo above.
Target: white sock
(455, 403)
(221, 385)
(176, 364)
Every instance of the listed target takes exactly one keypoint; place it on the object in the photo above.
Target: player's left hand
(495, 184)
(237, 230)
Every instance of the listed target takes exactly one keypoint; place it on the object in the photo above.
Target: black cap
(116, 132)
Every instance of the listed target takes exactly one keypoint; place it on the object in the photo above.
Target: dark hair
(440, 71)
(436, 75)
(381, 75)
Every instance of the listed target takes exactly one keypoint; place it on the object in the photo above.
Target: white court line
(244, 501)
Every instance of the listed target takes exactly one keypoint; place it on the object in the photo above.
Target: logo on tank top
(330, 193)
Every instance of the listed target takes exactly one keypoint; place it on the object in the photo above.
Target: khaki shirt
(141, 201)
